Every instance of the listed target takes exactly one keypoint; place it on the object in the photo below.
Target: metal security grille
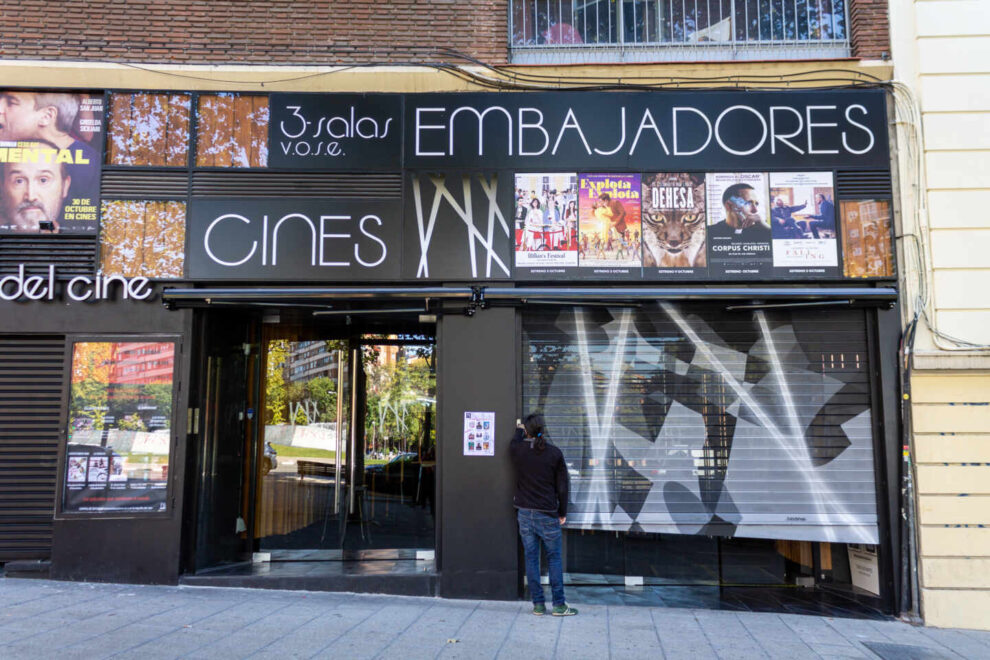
(31, 384)
(71, 255)
(684, 419)
(565, 30)
(297, 184)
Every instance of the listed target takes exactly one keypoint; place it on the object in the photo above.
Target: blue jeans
(533, 527)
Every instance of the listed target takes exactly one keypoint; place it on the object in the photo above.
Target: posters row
(684, 225)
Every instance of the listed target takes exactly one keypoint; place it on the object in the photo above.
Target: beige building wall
(941, 52)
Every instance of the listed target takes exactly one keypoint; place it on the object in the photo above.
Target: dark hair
(536, 428)
(734, 191)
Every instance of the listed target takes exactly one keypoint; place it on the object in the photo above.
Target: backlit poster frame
(99, 472)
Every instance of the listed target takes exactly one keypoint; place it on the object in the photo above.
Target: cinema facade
(290, 345)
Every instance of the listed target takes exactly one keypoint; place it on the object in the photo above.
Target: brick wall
(253, 32)
(869, 28)
(293, 31)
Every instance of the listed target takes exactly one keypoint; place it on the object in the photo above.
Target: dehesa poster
(50, 154)
(119, 435)
(738, 232)
(674, 226)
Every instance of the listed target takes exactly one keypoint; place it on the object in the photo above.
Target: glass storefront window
(119, 427)
(149, 130)
(143, 238)
(232, 131)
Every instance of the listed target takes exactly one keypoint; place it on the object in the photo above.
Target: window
(232, 131)
(143, 238)
(654, 30)
(149, 130)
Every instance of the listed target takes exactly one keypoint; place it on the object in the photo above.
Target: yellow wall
(951, 420)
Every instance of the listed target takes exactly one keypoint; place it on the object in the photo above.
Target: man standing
(826, 215)
(33, 193)
(541, 503)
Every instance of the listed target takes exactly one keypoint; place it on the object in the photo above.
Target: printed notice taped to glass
(479, 434)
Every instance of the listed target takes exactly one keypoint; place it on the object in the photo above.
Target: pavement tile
(484, 631)
(842, 651)
(369, 637)
(171, 645)
(959, 642)
(428, 634)
(901, 634)
(728, 636)
(632, 632)
(114, 641)
(814, 630)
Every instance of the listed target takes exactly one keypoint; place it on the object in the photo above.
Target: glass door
(347, 459)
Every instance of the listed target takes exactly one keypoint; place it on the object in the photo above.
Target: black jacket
(541, 476)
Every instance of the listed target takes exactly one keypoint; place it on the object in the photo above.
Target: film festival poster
(802, 223)
(738, 228)
(609, 232)
(866, 243)
(119, 433)
(546, 223)
(51, 147)
(674, 226)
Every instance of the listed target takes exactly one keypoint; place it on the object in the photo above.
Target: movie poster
(609, 237)
(867, 249)
(802, 222)
(738, 229)
(119, 435)
(674, 226)
(50, 154)
(546, 222)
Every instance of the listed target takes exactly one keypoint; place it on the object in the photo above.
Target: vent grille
(297, 184)
(31, 383)
(132, 184)
(72, 255)
(863, 183)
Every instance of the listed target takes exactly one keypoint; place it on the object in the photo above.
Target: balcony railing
(564, 31)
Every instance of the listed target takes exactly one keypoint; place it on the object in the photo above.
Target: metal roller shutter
(690, 419)
(31, 382)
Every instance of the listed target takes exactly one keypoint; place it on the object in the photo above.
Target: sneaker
(563, 610)
(539, 610)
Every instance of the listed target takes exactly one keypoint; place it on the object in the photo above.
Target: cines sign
(662, 130)
(81, 288)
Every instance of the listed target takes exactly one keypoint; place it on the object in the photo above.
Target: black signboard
(647, 131)
(655, 186)
(335, 131)
(330, 240)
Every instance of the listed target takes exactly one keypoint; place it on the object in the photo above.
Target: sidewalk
(43, 619)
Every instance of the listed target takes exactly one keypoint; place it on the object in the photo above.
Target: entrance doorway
(316, 463)
(347, 462)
